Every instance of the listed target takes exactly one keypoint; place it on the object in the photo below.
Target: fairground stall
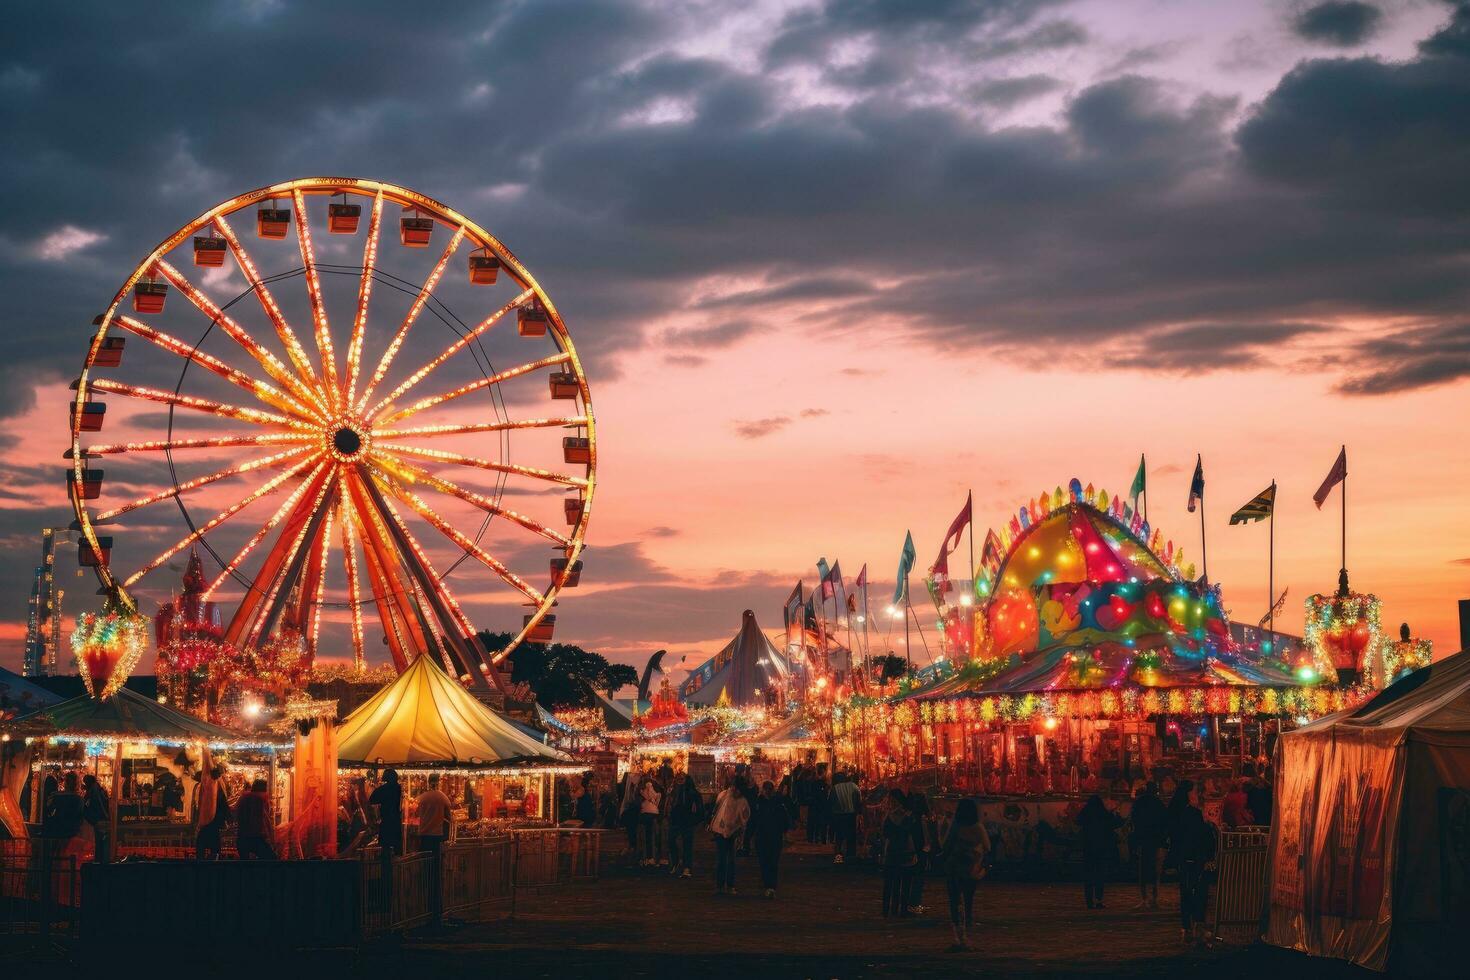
(1088, 658)
(426, 723)
(150, 759)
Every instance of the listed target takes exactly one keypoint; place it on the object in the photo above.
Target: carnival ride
(357, 449)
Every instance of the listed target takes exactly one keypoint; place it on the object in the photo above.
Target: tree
(561, 674)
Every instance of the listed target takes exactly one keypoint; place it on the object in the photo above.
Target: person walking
(1098, 825)
(900, 849)
(214, 814)
(771, 821)
(686, 808)
(962, 857)
(650, 800)
(732, 813)
(1150, 827)
(1192, 848)
(927, 847)
(97, 812)
(821, 829)
(847, 801)
(387, 802)
(253, 817)
(630, 808)
(436, 818)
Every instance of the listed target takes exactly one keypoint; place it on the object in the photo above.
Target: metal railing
(1238, 900)
(40, 890)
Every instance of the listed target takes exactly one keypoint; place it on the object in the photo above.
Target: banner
(314, 791)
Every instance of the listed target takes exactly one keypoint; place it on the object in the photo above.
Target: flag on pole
(852, 604)
(1258, 509)
(833, 582)
(990, 553)
(823, 569)
(1197, 484)
(905, 565)
(792, 610)
(1274, 610)
(862, 579)
(1140, 483)
(1337, 474)
(939, 571)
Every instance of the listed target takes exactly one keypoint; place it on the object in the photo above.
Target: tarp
(1370, 855)
(19, 696)
(748, 664)
(426, 718)
(128, 714)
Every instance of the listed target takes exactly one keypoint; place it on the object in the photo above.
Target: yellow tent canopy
(425, 718)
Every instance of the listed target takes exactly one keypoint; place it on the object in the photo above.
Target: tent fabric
(19, 696)
(128, 714)
(426, 718)
(1368, 857)
(748, 664)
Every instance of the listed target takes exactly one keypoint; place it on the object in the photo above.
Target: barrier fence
(284, 902)
(1239, 896)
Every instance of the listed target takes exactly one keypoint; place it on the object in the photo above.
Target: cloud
(1204, 347)
(760, 428)
(1007, 93)
(662, 531)
(1340, 23)
(1423, 357)
(814, 413)
(65, 241)
(716, 337)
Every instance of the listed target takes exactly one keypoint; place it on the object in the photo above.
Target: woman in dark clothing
(900, 854)
(1098, 825)
(1150, 827)
(927, 847)
(1191, 848)
(62, 819)
(97, 812)
(686, 808)
(771, 821)
(963, 861)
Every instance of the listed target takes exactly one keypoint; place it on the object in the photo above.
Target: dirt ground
(824, 923)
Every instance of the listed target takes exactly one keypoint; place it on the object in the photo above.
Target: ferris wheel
(336, 485)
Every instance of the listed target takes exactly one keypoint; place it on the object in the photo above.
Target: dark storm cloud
(1420, 358)
(1203, 347)
(716, 337)
(1343, 23)
(1006, 93)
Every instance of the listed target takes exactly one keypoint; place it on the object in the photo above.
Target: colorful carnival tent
(425, 719)
(1370, 851)
(128, 716)
(748, 666)
(19, 696)
(1087, 597)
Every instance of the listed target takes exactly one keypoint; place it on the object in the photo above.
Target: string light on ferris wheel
(341, 458)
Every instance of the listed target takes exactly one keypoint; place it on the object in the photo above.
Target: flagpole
(907, 655)
(1271, 569)
(1143, 462)
(918, 626)
(1203, 552)
(1344, 519)
(970, 496)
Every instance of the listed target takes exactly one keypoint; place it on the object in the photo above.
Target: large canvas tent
(747, 666)
(1370, 854)
(425, 719)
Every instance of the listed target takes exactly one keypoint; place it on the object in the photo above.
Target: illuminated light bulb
(965, 600)
(1034, 552)
(1051, 724)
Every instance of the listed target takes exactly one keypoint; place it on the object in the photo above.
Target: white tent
(1370, 844)
(426, 718)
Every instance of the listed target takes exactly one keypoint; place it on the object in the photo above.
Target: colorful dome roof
(1080, 599)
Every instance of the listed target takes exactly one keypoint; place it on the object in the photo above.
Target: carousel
(1088, 657)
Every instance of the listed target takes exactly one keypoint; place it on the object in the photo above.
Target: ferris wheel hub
(347, 438)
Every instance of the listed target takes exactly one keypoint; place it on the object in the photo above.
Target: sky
(830, 266)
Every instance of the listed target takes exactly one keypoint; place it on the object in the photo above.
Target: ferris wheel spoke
(467, 629)
(439, 455)
(378, 545)
(349, 565)
(425, 291)
(364, 294)
(196, 404)
(479, 500)
(269, 487)
(314, 293)
(317, 587)
(387, 606)
(454, 348)
(455, 535)
(264, 530)
(571, 421)
(285, 575)
(267, 360)
(215, 442)
(476, 385)
(265, 392)
(294, 350)
(197, 482)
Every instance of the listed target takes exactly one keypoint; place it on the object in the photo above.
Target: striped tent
(425, 719)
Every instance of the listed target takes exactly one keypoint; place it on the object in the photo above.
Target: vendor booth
(426, 722)
(1370, 859)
